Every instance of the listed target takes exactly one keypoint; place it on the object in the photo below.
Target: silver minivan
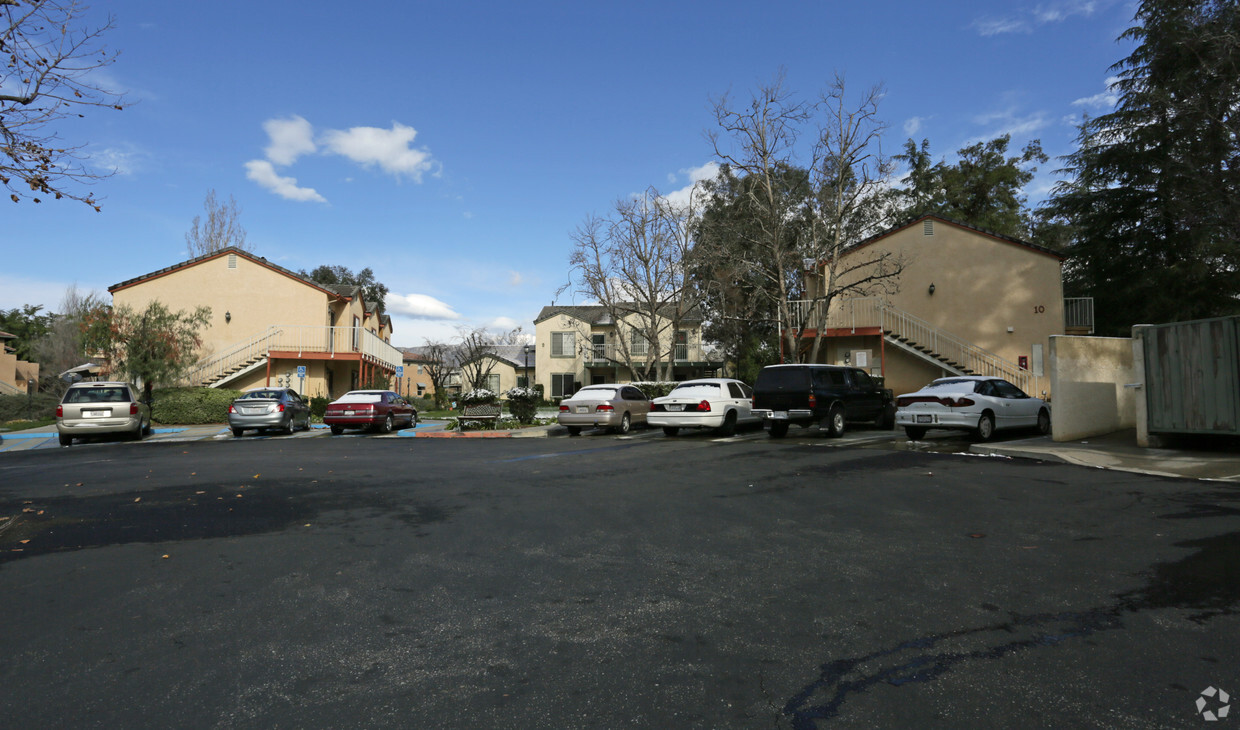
(93, 409)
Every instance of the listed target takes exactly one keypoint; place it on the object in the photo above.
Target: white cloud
(388, 149)
(1029, 20)
(263, 173)
(419, 306)
(515, 279)
(912, 125)
(1105, 100)
(290, 138)
(682, 197)
(125, 160)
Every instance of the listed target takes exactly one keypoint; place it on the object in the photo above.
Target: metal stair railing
(238, 356)
(939, 345)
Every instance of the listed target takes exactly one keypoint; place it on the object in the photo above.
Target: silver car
(618, 407)
(93, 409)
(280, 409)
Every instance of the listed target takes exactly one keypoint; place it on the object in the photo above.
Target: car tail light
(604, 407)
(957, 402)
(703, 407)
(60, 411)
(232, 408)
(564, 409)
(280, 407)
(133, 409)
(656, 408)
(813, 400)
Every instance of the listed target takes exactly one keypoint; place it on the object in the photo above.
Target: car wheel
(289, 427)
(986, 426)
(337, 430)
(237, 432)
(573, 430)
(387, 425)
(625, 425)
(137, 433)
(671, 430)
(729, 425)
(835, 422)
(413, 420)
(1044, 422)
(65, 440)
(915, 433)
(779, 429)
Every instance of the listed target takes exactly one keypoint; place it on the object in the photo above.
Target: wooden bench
(484, 413)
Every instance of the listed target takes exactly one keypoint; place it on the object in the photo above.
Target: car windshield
(268, 394)
(695, 390)
(97, 395)
(361, 398)
(595, 394)
(956, 385)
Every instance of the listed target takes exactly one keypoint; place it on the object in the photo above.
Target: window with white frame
(563, 344)
(493, 382)
(640, 345)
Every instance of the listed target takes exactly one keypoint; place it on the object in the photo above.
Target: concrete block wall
(1091, 378)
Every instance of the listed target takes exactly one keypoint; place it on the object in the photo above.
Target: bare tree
(806, 215)
(63, 346)
(220, 230)
(634, 264)
(438, 367)
(476, 354)
(49, 59)
(850, 178)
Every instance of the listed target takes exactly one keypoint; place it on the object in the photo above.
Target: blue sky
(454, 147)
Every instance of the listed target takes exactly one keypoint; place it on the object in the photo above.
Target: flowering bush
(523, 403)
(479, 397)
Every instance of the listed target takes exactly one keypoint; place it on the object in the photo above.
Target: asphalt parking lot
(606, 581)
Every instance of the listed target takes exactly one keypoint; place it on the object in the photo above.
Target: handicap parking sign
(301, 371)
(400, 371)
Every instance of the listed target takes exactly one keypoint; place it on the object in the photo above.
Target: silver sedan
(614, 406)
(280, 409)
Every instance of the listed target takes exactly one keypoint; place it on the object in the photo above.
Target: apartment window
(357, 334)
(419, 370)
(640, 346)
(563, 344)
(493, 382)
(561, 385)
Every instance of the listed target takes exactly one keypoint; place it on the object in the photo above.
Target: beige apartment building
(966, 302)
(581, 345)
(269, 325)
(16, 376)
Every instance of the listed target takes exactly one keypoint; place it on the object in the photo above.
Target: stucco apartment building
(581, 345)
(15, 375)
(268, 322)
(967, 301)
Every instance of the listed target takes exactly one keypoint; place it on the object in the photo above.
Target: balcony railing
(1078, 314)
(614, 354)
(351, 341)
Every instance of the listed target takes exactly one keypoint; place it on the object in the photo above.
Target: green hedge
(188, 406)
(16, 407)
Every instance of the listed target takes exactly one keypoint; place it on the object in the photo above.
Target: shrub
(523, 403)
(17, 407)
(655, 389)
(187, 406)
(318, 405)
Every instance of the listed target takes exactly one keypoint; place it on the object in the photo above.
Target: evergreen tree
(1152, 212)
(983, 189)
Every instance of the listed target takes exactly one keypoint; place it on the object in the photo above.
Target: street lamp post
(30, 399)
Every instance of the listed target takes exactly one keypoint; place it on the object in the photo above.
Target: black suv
(828, 395)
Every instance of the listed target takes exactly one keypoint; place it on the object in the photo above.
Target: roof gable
(999, 237)
(233, 250)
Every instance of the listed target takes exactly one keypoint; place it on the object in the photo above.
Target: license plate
(583, 409)
(96, 414)
(779, 415)
(348, 413)
(925, 419)
(676, 408)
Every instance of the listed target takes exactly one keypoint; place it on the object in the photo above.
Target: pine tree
(1152, 212)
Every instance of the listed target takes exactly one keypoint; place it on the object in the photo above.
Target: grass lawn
(23, 425)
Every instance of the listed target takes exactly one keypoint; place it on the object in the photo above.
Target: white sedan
(718, 403)
(974, 403)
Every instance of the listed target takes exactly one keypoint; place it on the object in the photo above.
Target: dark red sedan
(377, 409)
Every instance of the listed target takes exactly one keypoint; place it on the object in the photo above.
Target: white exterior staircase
(919, 338)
